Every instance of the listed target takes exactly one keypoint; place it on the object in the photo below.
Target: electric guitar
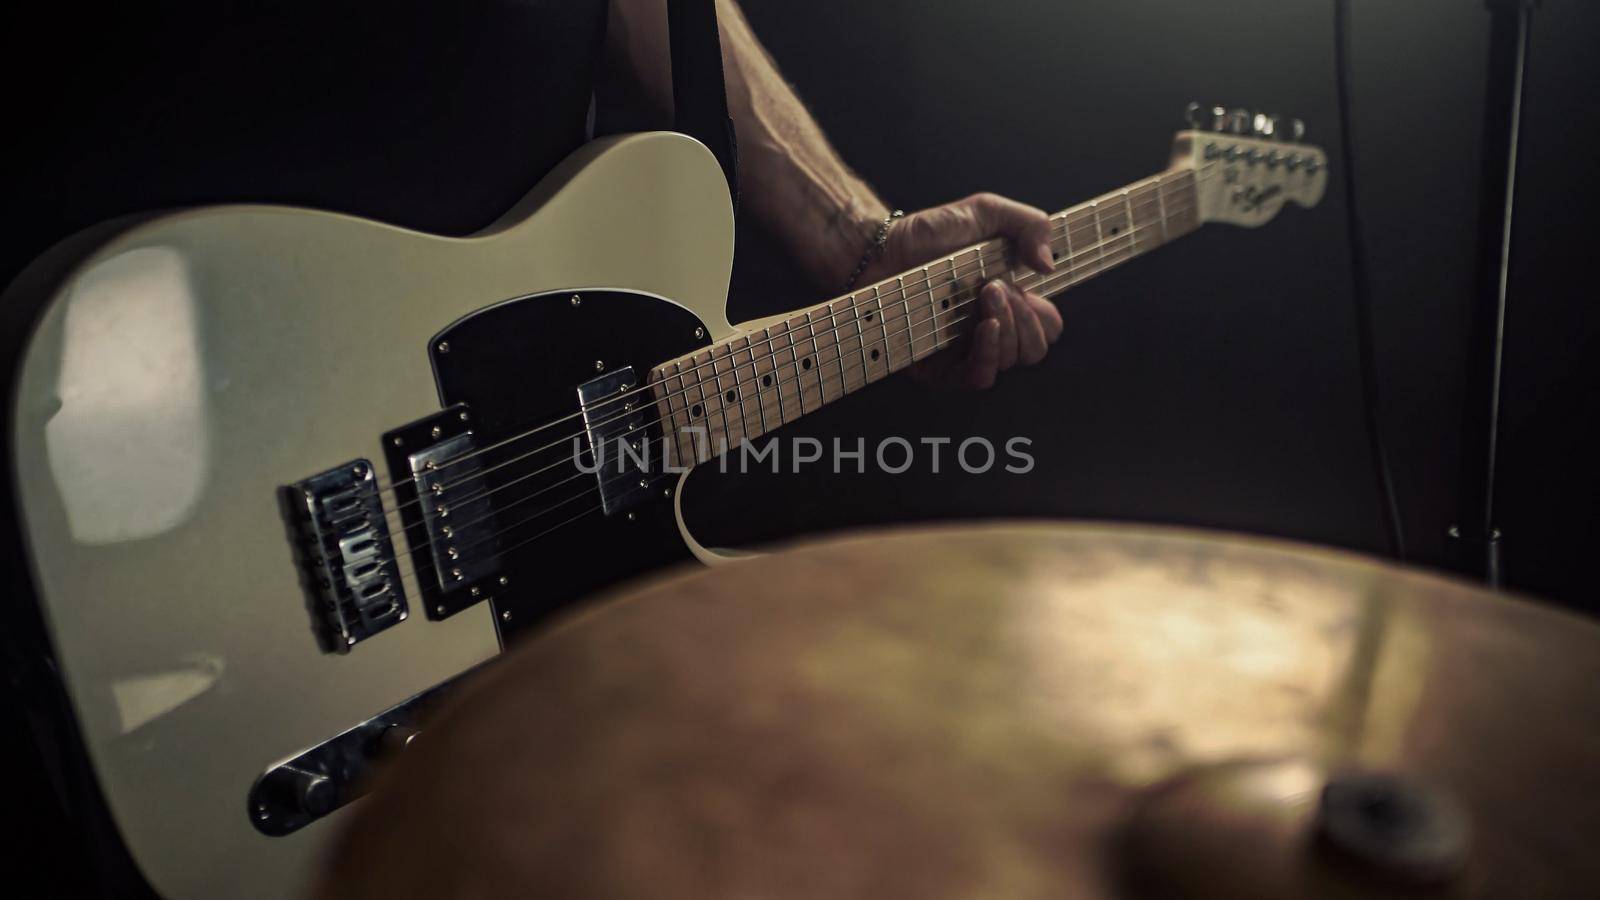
(281, 475)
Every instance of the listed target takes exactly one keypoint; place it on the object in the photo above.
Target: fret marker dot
(694, 410)
(731, 396)
(869, 317)
(806, 363)
(1115, 229)
(874, 354)
(766, 381)
(945, 303)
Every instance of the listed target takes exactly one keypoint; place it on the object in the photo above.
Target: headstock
(1247, 165)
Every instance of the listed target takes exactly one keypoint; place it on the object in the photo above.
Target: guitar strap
(699, 97)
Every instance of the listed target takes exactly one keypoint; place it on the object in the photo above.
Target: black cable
(1362, 287)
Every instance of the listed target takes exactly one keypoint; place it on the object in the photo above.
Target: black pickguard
(517, 365)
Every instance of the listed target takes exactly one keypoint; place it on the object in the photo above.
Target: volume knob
(311, 793)
(395, 739)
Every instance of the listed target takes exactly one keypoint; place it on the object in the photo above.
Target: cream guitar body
(194, 364)
(280, 476)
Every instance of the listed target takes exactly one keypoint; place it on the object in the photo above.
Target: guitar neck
(745, 386)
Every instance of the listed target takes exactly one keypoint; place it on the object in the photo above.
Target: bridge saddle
(344, 546)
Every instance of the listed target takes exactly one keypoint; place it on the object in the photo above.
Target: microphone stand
(1475, 542)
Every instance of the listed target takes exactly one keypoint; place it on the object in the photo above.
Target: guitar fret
(932, 319)
(813, 364)
(955, 291)
(905, 307)
(680, 418)
(786, 371)
(838, 349)
(706, 413)
(1161, 204)
(871, 352)
(850, 330)
(826, 350)
(1119, 242)
(721, 365)
(753, 390)
(883, 331)
(1099, 236)
(766, 356)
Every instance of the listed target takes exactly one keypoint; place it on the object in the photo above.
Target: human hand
(1014, 327)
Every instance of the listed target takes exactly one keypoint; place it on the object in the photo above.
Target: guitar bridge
(347, 554)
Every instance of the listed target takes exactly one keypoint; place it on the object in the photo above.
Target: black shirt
(431, 114)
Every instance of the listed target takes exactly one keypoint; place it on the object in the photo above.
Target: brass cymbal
(1012, 711)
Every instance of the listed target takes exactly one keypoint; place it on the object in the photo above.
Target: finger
(1027, 227)
(1031, 344)
(1049, 316)
(983, 360)
(997, 307)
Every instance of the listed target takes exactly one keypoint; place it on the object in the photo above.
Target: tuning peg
(1297, 130)
(1265, 126)
(1239, 121)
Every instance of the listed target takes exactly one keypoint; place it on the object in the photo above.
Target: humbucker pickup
(447, 508)
(347, 554)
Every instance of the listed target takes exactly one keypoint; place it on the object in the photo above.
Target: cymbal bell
(1008, 711)
(1259, 829)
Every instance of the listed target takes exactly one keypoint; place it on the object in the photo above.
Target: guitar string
(410, 572)
(1054, 286)
(1156, 192)
(780, 381)
(961, 270)
(798, 374)
(1090, 215)
(793, 380)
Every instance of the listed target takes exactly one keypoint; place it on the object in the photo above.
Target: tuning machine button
(1264, 126)
(1219, 119)
(1191, 114)
(1297, 131)
(1239, 122)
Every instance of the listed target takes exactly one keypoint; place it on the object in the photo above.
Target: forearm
(791, 179)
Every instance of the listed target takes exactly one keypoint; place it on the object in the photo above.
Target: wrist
(873, 253)
(852, 230)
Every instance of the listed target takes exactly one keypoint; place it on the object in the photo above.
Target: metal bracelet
(874, 249)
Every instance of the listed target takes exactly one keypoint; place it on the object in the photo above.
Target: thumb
(1027, 227)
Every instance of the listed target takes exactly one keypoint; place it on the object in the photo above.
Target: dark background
(1216, 383)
